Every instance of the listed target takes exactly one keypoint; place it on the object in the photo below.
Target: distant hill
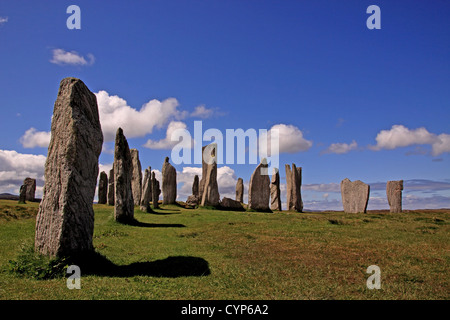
(8, 196)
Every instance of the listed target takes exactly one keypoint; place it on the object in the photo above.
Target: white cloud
(341, 148)
(291, 139)
(202, 112)
(15, 167)
(167, 142)
(62, 57)
(441, 145)
(3, 20)
(33, 138)
(400, 136)
(115, 112)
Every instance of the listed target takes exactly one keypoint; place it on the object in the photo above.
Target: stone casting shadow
(172, 267)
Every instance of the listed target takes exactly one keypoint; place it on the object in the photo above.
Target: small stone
(192, 201)
(230, 204)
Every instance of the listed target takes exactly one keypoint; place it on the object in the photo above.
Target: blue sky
(373, 105)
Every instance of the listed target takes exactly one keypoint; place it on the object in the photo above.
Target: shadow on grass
(94, 263)
(137, 223)
(164, 211)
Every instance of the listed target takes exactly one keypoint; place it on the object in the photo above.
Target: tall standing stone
(111, 187)
(169, 182)
(259, 188)
(23, 194)
(275, 193)
(355, 196)
(293, 188)
(123, 172)
(102, 188)
(136, 181)
(210, 189)
(195, 186)
(240, 190)
(30, 189)
(65, 220)
(394, 195)
(156, 191)
(146, 196)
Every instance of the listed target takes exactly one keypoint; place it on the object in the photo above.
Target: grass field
(179, 253)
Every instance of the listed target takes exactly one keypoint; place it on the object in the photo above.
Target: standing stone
(355, 196)
(123, 172)
(240, 190)
(275, 199)
(31, 189)
(193, 199)
(102, 188)
(169, 182)
(210, 192)
(136, 181)
(146, 196)
(195, 187)
(111, 187)
(394, 195)
(156, 191)
(259, 188)
(23, 194)
(293, 187)
(65, 220)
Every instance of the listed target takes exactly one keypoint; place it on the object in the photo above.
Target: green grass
(178, 253)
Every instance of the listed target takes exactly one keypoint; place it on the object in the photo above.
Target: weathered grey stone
(65, 220)
(195, 187)
(23, 194)
(192, 201)
(102, 188)
(136, 181)
(259, 188)
(275, 193)
(240, 190)
(146, 195)
(31, 188)
(169, 182)
(111, 187)
(394, 195)
(355, 196)
(210, 192)
(293, 188)
(156, 191)
(230, 204)
(123, 172)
